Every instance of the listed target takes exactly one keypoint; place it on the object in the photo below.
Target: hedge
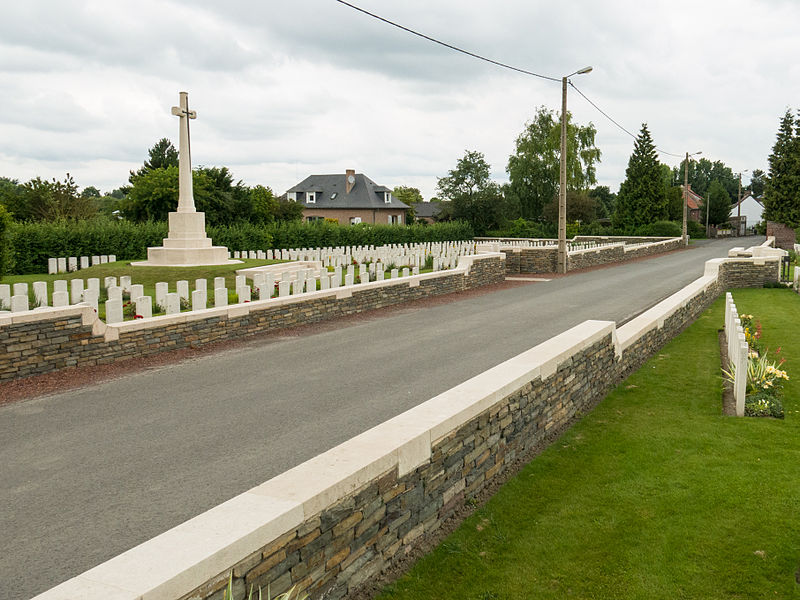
(31, 244)
(5, 241)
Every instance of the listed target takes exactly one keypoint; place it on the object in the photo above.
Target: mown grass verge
(653, 495)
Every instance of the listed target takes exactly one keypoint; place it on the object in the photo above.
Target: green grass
(652, 495)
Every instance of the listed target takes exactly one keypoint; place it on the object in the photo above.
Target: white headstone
(103, 259)
(91, 297)
(76, 290)
(144, 306)
(59, 299)
(19, 302)
(393, 274)
(243, 293)
(137, 290)
(182, 288)
(114, 293)
(109, 282)
(364, 276)
(95, 261)
(84, 262)
(379, 275)
(241, 280)
(60, 285)
(161, 293)
(220, 297)
(199, 299)
(20, 289)
(52, 266)
(219, 282)
(405, 272)
(252, 254)
(283, 288)
(62, 265)
(415, 271)
(201, 284)
(237, 254)
(112, 258)
(72, 263)
(348, 279)
(40, 293)
(93, 283)
(125, 283)
(114, 310)
(172, 304)
(260, 255)
(324, 281)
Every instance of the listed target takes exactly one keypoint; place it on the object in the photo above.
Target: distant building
(348, 197)
(428, 211)
(694, 201)
(750, 208)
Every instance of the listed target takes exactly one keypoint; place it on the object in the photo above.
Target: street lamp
(686, 196)
(562, 184)
(739, 205)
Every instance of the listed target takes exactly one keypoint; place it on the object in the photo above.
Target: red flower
(138, 317)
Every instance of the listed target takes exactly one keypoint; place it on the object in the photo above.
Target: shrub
(763, 405)
(5, 242)
(661, 229)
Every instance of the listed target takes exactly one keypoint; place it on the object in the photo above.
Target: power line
(446, 45)
(494, 62)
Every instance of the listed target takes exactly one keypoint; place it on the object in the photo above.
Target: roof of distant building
(427, 210)
(332, 192)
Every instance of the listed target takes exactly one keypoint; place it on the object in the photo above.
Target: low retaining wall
(333, 522)
(49, 339)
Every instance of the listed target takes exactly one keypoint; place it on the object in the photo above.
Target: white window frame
(387, 197)
(311, 197)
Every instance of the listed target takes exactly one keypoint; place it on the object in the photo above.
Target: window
(355, 220)
(314, 219)
(387, 197)
(311, 197)
(292, 196)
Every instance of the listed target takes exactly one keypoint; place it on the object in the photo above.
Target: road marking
(527, 279)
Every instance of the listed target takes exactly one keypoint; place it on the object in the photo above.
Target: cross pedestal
(187, 244)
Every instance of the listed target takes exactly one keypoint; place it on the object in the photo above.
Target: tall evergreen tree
(718, 202)
(782, 189)
(641, 199)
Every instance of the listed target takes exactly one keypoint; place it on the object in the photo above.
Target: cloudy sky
(284, 89)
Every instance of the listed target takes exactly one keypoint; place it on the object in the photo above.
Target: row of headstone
(73, 263)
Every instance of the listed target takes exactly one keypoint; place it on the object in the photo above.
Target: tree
(642, 197)
(674, 196)
(152, 196)
(90, 192)
(581, 207)
(475, 198)
(757, 182)
(719, 204)
(782, 189)
(702, 172)
(289, 210)
(605, 201)
(11, 198)
(264, 203)
(534, 169)
(411, 196)
(55, 200)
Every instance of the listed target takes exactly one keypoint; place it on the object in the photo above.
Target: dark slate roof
(331, 192)
(427, 210)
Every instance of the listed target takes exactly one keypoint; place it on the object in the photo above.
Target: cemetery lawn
(654, 494)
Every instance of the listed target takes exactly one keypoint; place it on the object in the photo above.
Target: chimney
(349, 180)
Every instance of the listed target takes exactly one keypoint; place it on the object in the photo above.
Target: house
(694, 201)
(348, 197)
(750, 208)
(427, 212)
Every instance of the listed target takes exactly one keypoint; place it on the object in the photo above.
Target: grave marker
(144, 306)
(114, 310)
(19, 302)
(40, 293)
(220, 297)
(76, 290)
(199, 299)
(60, 298)
(172, 304)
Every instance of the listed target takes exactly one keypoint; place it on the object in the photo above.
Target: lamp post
(686, 196)
(562, 183)
(739, 205)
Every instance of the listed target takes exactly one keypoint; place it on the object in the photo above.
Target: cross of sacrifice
(185, 194)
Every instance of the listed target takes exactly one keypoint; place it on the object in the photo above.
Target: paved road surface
(89, 473)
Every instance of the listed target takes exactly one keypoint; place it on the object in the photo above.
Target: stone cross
(185, 193)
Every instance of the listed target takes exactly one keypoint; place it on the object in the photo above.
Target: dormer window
(292, 196)
(387, 197)
(311, 197)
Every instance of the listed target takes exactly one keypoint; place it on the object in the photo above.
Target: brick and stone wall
(784, 235)
(35, 344)
(332, 523)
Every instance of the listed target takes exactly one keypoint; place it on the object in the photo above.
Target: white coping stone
(95, 261)
(20, 289)
(219, 282)
(40, 293)
(52, 266)
(144, 306)
(137, 289)
(84, 262)
(201, 284)
(220, 297)
(60, 299)
(76, 290)
(172, 303)
(19, 302)
(283, 288)
(393, 274)
(243, 293)
(162, 288)
(91, 297)
(93, 283)
(62, 265)
(72, 264)
(109, 281)
(114, 310)
(182, 289)
(125, 283)
(112, 258)
(199, 297)
(114, 293)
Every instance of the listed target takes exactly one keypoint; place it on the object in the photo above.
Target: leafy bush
(695, 230)
(661, 229)
(763, 405)
(5, 242)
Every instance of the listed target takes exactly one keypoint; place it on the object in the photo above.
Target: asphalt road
(89, 473)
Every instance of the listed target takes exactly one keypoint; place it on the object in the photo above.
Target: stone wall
(785, 237)
(47, 340)
(337, 520)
